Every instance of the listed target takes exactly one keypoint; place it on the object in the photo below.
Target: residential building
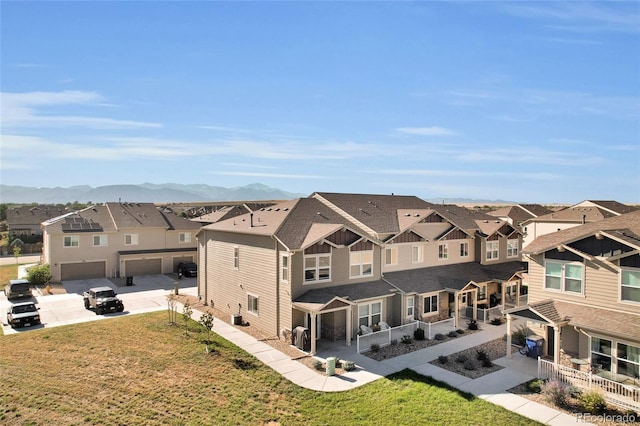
(578, 214)
(334, 262)
(117, 240)
(515, 215)
(25, 220)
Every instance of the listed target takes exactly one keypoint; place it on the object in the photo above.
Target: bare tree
(172, 304)
(186, 314)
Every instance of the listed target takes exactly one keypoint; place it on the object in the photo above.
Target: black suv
(188, 269)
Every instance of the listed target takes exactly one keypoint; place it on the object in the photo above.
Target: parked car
(17, 289)
(188, 269)
(102, 300)
(23, 314)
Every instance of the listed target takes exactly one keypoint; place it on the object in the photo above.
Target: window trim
(71, 238)
(514, 252)
(133, 238)
(443, 251)
(284, 268)
(394, 256)
(361, 264)
(417, 249)
(411, 307)
(369, 314)
(252, 297)
(494, 252)
(101, 237)
(184, 240)
(622, 270)
(236, 258)
(424, 305)
(316, 268)
(464, 249)
(563, 278)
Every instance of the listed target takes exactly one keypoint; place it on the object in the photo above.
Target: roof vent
(407, 214)
(417, 215)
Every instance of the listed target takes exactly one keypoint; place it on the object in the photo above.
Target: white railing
(624, 396)
(483, 315)
(385, 337)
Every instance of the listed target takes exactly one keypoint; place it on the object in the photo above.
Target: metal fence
(622, 395)
(385, 337)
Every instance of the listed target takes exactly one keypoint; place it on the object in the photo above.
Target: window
(464, 249)
(416, 254)
(443, 251)
(236, 258)
(492, 250)
(431, 304)
(601, 353)
(482, 293)
(628, 360)
(131, 239)
(391, 256)
(185, 237)
(369, 313)
(410, 306)
(630, 285)
(512, 248)
(317, 267)
(563, 276)
(361, 263)
(100, 240)
(252, 304)
(284, 268)
(71, 241)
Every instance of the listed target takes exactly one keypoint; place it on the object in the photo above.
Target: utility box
(236, 319)
(129, 280)
(534, 346)
(331, 366)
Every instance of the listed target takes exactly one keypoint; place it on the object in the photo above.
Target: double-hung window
(630, 285)
(99, 240)
(512, 248)
(185, 237)
(443, 251)
(410, 306)
(236, 258)
(430, 304)
(369, 313)
(361, 263)
(284, 268)
(71, 241)
(131, 239)
(416, 254)
(252, 304)
(391, 256)
(464, 249)
(564, 276)
(492, 250)
(317, 267)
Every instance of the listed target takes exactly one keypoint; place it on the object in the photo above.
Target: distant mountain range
(145, 193)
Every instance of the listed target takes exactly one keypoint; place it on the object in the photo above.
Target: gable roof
(627, 226)
(586, 211)
(520, 212)
(33, 215)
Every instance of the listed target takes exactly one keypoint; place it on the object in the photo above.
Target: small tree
(186, 314)
(172, 303)
(207, 321)
(39, 274)
(17, 250)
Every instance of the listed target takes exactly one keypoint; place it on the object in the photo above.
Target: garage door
(143, 267)
(83, 271)
(177, 260)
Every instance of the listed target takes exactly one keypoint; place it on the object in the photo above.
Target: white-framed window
(236, 258)
(131, 239)
(601, 353)
(482, 293)
(284, 268)
(369, 313)
(100, 240)
(630, 285)
(492, 250)
(410, 306)
(464, 249)
(563, 276)
(512, 248)
(430, 304)
(391, 256)
(252, 303)
(71, 241)
(317, 267)
(185, 237)
(416, 254)
(628, 360)
(361, 263)
(443, 251)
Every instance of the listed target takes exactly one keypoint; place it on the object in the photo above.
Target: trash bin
(236, 319)
(331, 366)
(534, 346)
(129, 280)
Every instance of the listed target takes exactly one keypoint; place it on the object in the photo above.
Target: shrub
(555, 392)
(39, 274)
(375, 347)
(592, 401)
(534, 385)
(443, 359)
(519, 335)
(452, 334)
(472, 325)
(348, 365)
(460, 331)
(317, 364)
(394, 342)
(418, 334)
(469, 365)
(406, 339)
(462, 358)
(481, 355)
(439, 336)
(486, 363)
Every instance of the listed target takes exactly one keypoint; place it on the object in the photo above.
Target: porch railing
(385, 337)
(484, 315)
(624, 396)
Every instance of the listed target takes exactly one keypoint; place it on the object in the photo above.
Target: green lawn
(139, 370)
(7, 272)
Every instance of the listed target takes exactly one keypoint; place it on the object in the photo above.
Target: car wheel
(86, 303)
(121, 308)
(98, 311)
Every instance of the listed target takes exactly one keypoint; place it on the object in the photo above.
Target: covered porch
(331, 320)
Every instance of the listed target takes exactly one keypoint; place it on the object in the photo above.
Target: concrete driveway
(148, 294)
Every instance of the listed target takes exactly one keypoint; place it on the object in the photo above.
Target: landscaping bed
(466, 362)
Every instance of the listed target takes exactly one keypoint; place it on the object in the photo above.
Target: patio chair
(383, 325)
(366, 329)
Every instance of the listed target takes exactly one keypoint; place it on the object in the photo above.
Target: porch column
(313, 333)
(508, 336)
(556, 344)
(349, 313)
(518, 284)
(455, 310)
(475, 304)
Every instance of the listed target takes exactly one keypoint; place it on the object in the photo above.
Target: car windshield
(21, 309)
(104, 294)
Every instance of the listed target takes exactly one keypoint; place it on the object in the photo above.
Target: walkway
(491, 387)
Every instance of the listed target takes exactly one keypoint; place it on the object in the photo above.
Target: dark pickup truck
(16, 289)
(102, 300)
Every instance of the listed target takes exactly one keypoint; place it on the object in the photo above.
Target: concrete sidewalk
(491, 387)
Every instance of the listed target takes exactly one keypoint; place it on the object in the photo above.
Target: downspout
(275, 244)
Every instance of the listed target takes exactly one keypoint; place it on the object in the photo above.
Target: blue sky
(525, 101)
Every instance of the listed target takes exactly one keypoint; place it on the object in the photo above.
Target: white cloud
(464, 174)
(426, 131)
(272, 175)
